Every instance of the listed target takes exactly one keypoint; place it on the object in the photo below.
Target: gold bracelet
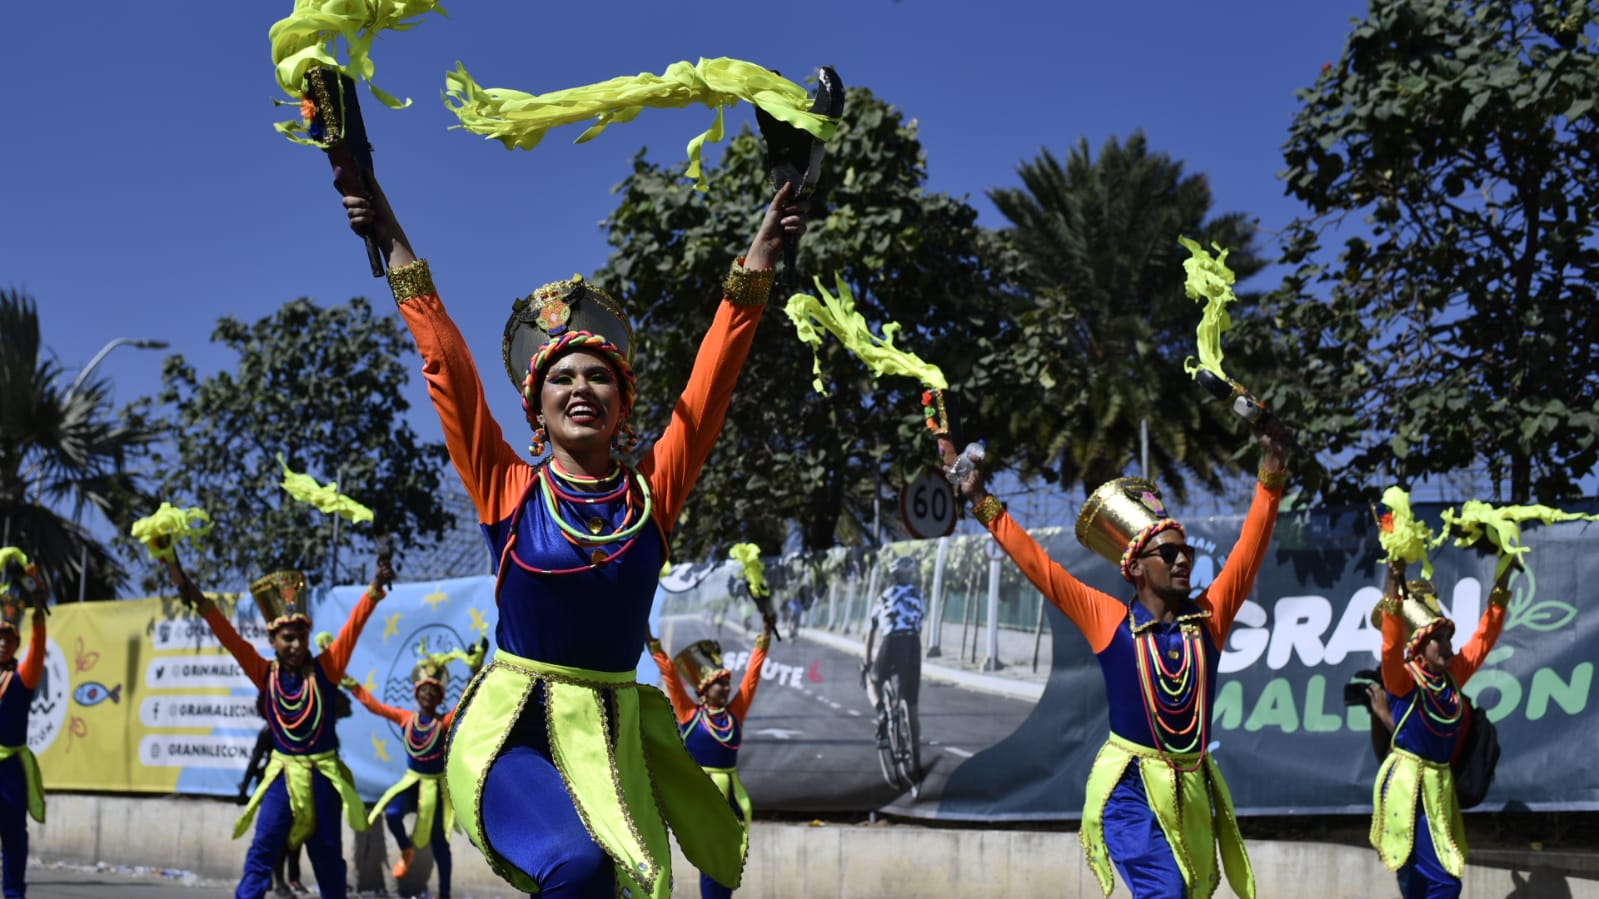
(1389, 605)
(987, 510)
(1499, 596)
(1272, 480)
(747, 287)
(763, 640)
(653, 646)
(411, 281)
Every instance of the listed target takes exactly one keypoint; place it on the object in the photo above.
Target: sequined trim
(1499, 596)
(1272, 480)
(747, 287)
(987, 510)
(411, 281)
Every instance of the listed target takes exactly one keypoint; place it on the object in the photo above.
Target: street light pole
(72, 391)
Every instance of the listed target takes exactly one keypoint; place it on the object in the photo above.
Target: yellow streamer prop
(161, 532)
(520, 120)
(837, 316)
(749, 555)
(8, 555)
(306, 38)
(1209, 279)
(1500, 526)
(326, 497)
(1400, 533)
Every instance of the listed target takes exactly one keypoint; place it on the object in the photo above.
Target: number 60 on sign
(927, 505)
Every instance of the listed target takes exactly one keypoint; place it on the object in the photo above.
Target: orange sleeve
(32, 667)
(365, 697)
(1096, 614)
(1226, 594)
(493, 473)
(255, 667)
(448, 719)
(337, 656)
(682, 703)
(1475, 652)
(673, 464)
(740, 705)
(1396, 678)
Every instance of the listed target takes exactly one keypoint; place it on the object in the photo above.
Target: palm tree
(60, 448)
(1105, 323)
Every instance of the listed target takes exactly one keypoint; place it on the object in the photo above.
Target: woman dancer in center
(565, 772)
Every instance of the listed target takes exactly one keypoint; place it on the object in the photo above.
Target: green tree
(61, 448)
(1455, 146)
(787, 454)
(324, 387)
(1104, 324)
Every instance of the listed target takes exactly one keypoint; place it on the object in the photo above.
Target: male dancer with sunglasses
(1157, 807)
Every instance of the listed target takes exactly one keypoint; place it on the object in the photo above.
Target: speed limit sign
(927, 505)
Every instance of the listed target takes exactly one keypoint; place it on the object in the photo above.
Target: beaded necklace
(1439, 701)
(5, 681)
(424, 742)
(1172, 696)
(292, 709)
(632, 489)
(720, 724)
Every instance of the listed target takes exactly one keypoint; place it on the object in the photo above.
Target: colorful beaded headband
(1136, 545)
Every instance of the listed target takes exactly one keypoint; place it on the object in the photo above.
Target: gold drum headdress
(701, 663)
(282, 598)
(1120, 518)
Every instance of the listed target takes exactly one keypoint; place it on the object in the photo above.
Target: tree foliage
(324, 387)
(1454, 147)
(1104, 324)
(61, 447)
(786, 453)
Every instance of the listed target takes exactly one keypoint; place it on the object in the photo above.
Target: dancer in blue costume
(565, 772)
(713, 726)
(305, 785)
(21, 787)
(1415, 823)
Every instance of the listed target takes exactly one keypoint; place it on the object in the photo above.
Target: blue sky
(146, 195)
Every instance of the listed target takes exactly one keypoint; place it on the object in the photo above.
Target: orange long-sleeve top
(1396, 678)
(332, 661)
(1431, 725)
(551, 617)
(399, 716)
(31, 668)
(1112, 627)
(686, 705)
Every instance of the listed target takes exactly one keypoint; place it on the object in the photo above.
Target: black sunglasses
(1169, 552)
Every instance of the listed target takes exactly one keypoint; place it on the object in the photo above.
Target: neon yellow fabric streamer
(1500, 526)
(1209, 279)
(520, 120)
(167, 526)
(325, 497)
(1401, 535)
(307, 38)
(8, 555)
(837, 316)
(749, 555)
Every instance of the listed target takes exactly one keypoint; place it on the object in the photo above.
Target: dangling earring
(625, 440)
(540, 436)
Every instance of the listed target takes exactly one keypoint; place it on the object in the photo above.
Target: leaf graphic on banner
(1543, 616)
(85, 660)
(1500, 654)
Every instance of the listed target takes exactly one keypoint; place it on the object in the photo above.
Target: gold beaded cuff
(653, 646)
(987, 510)
(1272, 480)
(763, 641)
(411, 281)
(1499, 596)
(747, 287)
(1388, 605)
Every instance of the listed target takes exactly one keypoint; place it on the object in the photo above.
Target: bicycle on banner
(892, 677)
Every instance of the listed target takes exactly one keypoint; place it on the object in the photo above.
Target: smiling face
(428, 697)
(718, 692)
(1437, 649)
(1166, 571)
(580, 402)
(292, 642)
(9, 641)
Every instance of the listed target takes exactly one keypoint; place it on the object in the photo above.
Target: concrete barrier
(795, 861)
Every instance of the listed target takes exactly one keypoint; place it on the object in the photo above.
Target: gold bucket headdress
(11, 610)
(282, 598)
(701, 663)
(1420, 613)
(1120, 518)
(561, 314)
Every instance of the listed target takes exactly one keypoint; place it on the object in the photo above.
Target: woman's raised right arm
(491, 470)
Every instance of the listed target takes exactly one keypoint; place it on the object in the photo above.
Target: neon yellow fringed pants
(617, 749)
(1404, 779)
(1194, 808)
(297, 771)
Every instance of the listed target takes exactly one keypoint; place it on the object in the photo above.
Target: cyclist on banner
(897, 614)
